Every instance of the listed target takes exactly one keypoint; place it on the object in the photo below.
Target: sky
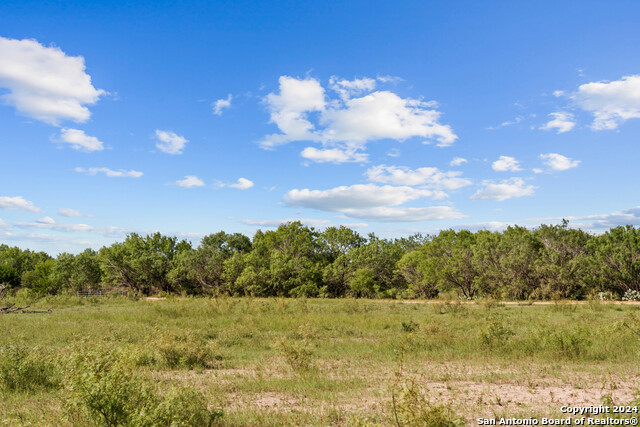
(388, 117)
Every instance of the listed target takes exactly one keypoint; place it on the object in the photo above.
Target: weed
(410, 326)
(185, 350)
(297, 352)
(104, 390)
(25, 369)
(495, 334)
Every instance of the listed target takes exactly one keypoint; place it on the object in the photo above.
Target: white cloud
(382, 115)
(603, 221)
(457, 161)
(562, 122)
(190, 181)
(71, 212)
(169, 142)
(44, 83)
(507, 123)
(558, 162)
(507, 189)
(429, 176)
(537, 170)
(48, 223)
(311, 222)
(17, 203)
(290, 108)
(348, 88)
(2, 223)
(46, 220)
(333, 155)
(241, 184)
(221, 104)
(110, 172)
(349, 121)
(358, 196)
(611, 103)
(506, 164)
(80, 141)
(394, 152)
(388, 214)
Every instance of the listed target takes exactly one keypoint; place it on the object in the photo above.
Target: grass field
(312, 362)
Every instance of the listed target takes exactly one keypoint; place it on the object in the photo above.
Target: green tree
(141, 263)
(614, 261)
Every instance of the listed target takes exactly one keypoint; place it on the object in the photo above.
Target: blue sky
(189, 119)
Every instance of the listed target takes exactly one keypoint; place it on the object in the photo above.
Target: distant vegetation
(549, 262)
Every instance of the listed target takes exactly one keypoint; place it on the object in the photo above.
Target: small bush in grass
(185, 350)
(495, 334)
(412, 408)
(24, 369)
(410, 326)
(104, 390)
(447, 306)
(298, 353)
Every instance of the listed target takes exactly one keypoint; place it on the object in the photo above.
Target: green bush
(298, 353)
(104, 390)
(411, 407)
(23, 369)
(495, 334)
(185, 350)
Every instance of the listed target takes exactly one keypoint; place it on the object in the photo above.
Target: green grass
(323, 362)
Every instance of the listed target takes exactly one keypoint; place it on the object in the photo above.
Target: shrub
(23, 369)
(104, 390)
(411, 407)
(410, 326)
(495, 334)
(185, 350)
(297, 353)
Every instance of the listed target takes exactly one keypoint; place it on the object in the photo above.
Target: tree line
(551, 261)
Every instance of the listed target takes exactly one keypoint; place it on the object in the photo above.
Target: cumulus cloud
(46, 220)
(169, 142)
(80, 141)
(506, 164)
(190, 181)
(558, 162)
(221, 104)
(359, 196)
(241, 184)
(68, 212)
(562, 122)
(602, 221)
(110, 173)
(507, 189)
(390, 214)
(611, 103)
(348, 88)
(44, 83)
(457, 161)
(333, 155)
(311, 222)
(49, 223)
(303, 111)
(429, 176)
(372, 202)
(17, 203)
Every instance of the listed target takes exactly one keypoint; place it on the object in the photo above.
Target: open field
(321, 362)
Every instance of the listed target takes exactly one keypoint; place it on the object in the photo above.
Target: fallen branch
(11, 309)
